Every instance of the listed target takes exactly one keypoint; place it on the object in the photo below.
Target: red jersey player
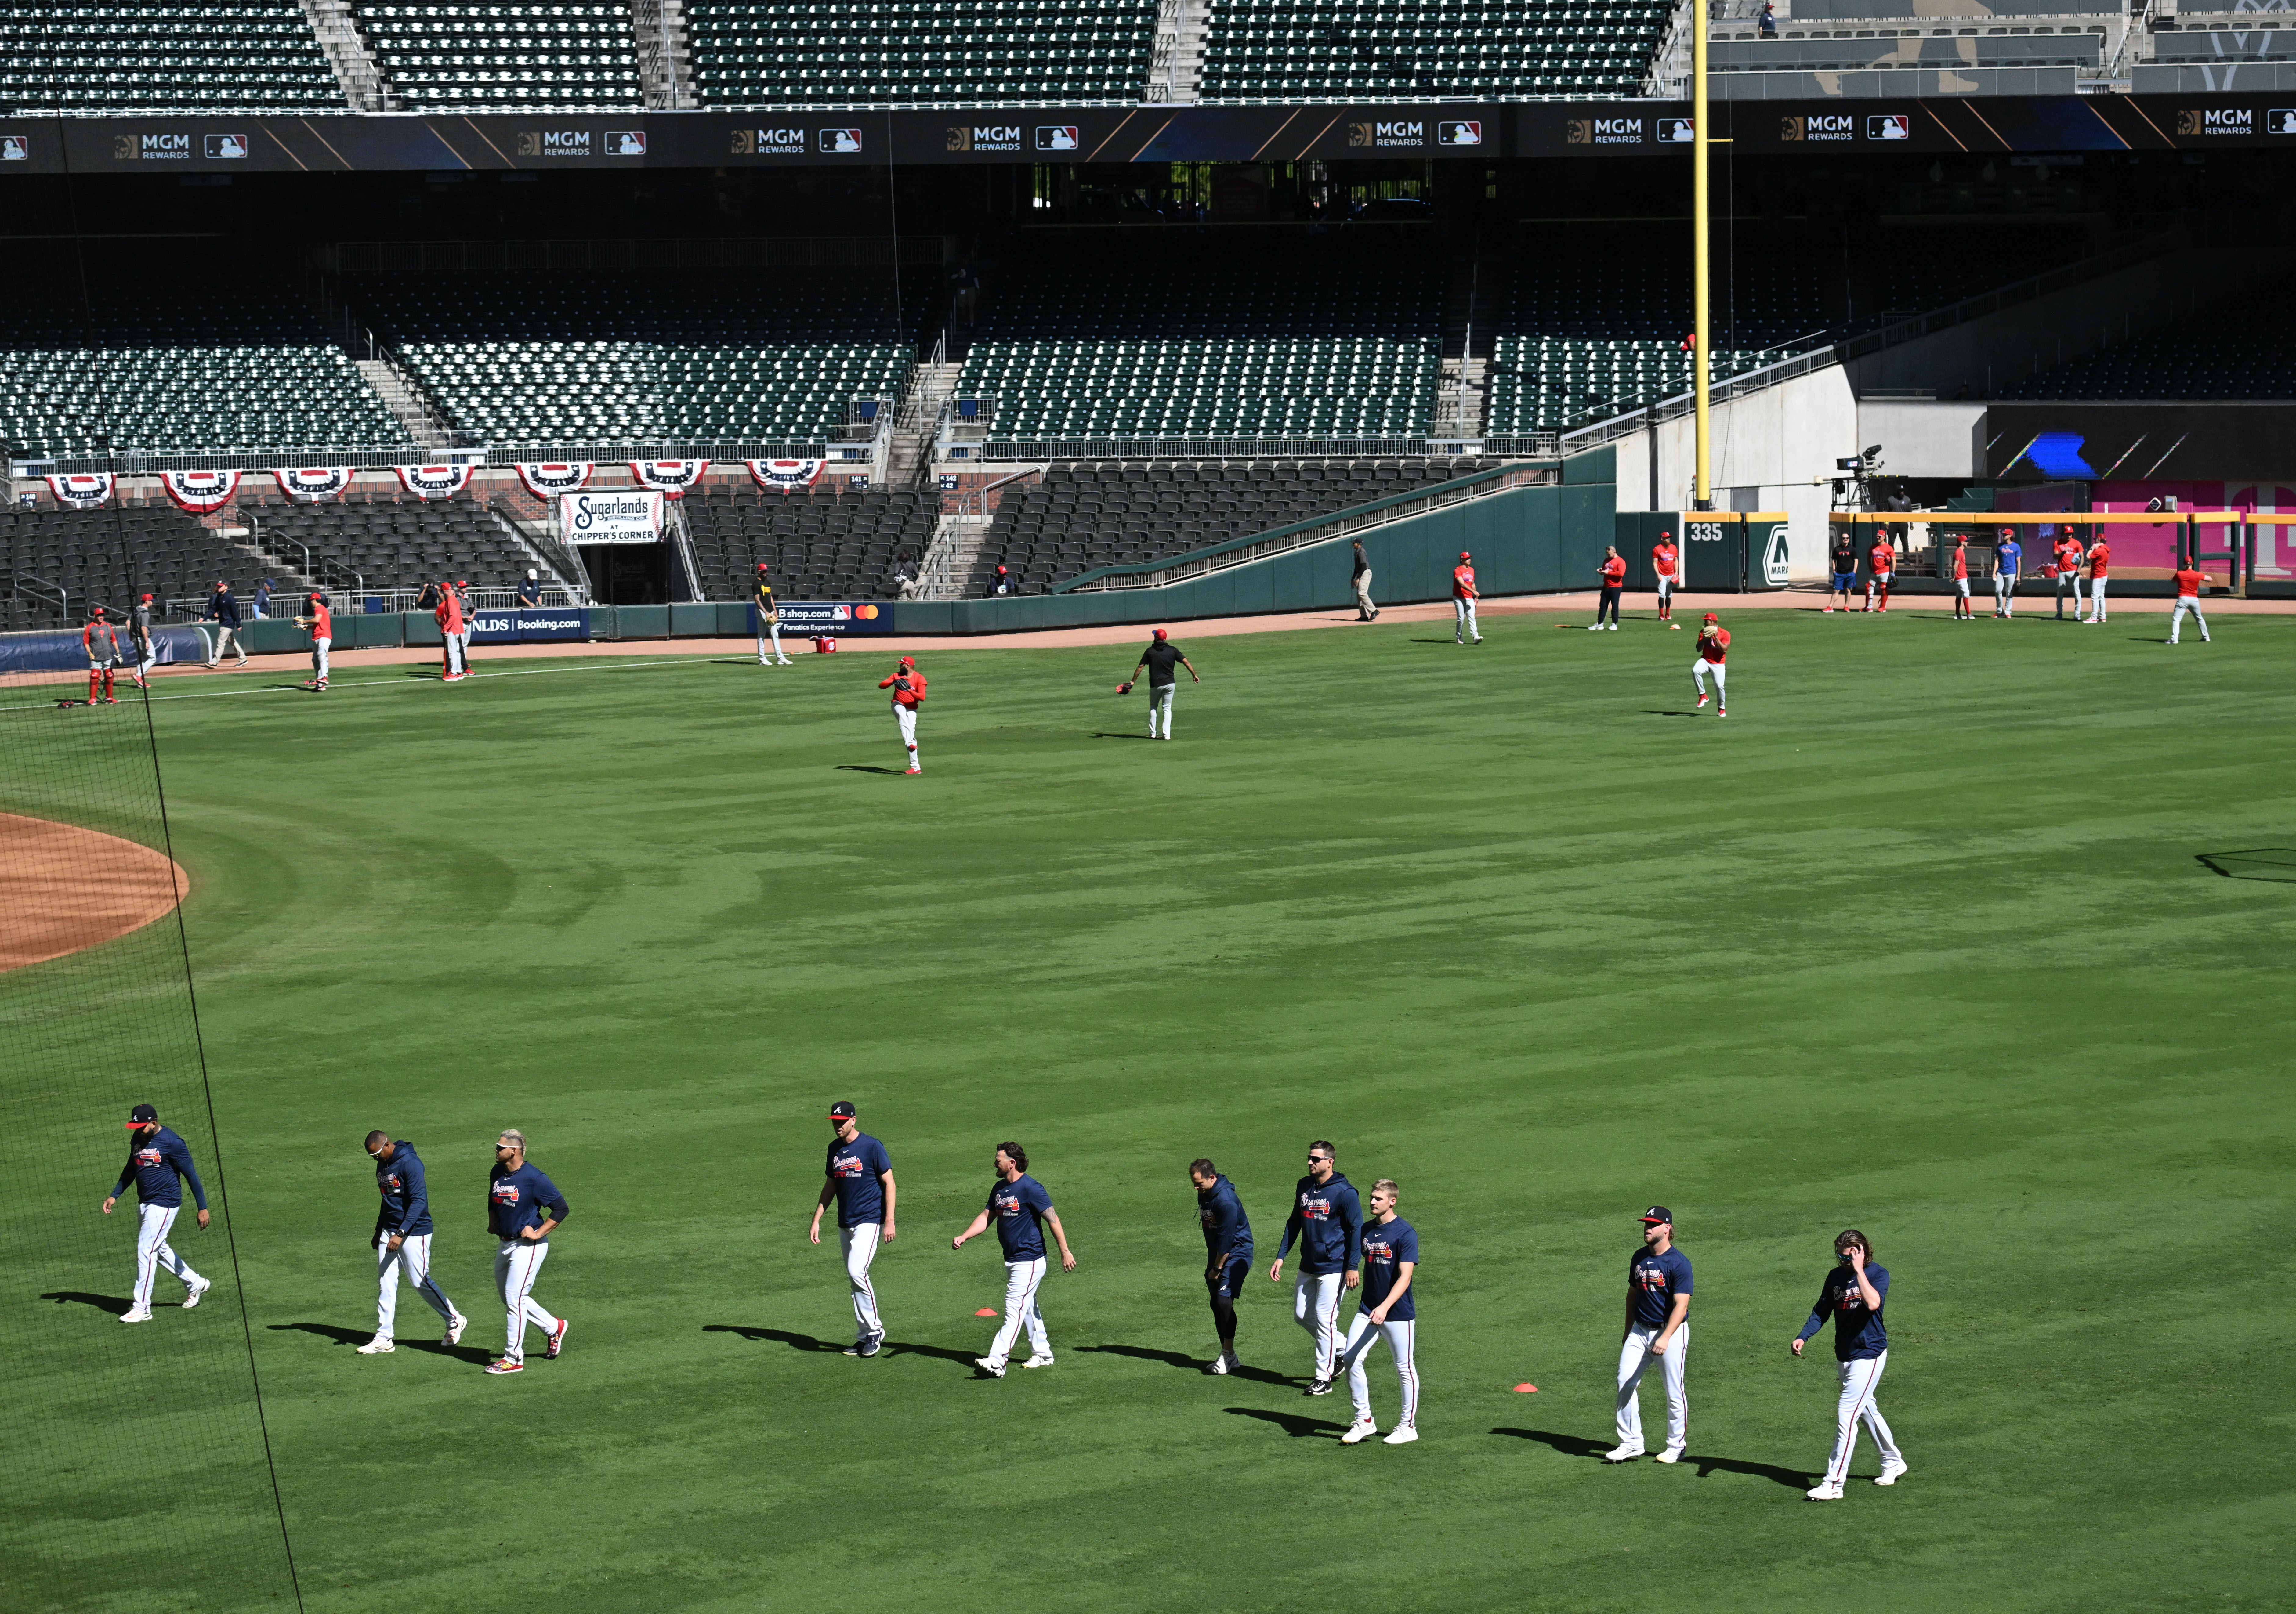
(1961, 607)
(322, 624)
(909, 687)
(1879, 561)
(2068, 554)
(2100, 558)
(1462, 601)
(1613, 573)
(2190, 580)
(1713, 648)
(1664, 558)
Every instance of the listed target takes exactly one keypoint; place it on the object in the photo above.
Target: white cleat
(1612, 627)
(1041, 1359)
(1673, 1454)
(1824, 1493)
(1223, 1364)
(137, 1315)
(1358, 1433)
(1890, 1474)
(1402, 1434)
(199, 1292)
(1593, 627)
(1622, 1453)
(995, 1370)
(455, 1330)
(377, 1346)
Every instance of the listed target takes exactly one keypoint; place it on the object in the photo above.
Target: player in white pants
(909, 687)
(402, 1241)
(1387, 1311)
(2190, 581)
(769, 622)
(158, 1163)
(1658, 1305)
(1463, 595)
(1853, 1295)
(523, 1207)
(859, 1177)
(1158, 660)
(1327, 1219)
(1713, 650)
(1023, 1210)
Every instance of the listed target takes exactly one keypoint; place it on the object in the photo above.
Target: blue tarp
(62, 652)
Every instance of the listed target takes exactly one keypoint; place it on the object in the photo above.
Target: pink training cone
(1526, 1389)
(986, 1311)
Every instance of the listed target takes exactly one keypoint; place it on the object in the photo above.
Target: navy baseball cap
(143, 1115)
(1659, 1213)
(840, 1112)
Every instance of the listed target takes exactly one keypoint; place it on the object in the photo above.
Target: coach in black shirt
(1160, 659)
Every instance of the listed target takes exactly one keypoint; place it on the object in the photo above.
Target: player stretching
(1664, 559)
(159, 1160)
(1462, 601)
(101, 640)
(1160, 659)
(859, 1177)
(2068, 554)
(909, 687)
(1713, 647)
(1962, 610)
(2100, 557)
(1022, 1208)
(2190, 579)
(1613, 574)
(1658, 1307)
(402, 1241)
(322, 624)
(1327, 1219)
(1882, 560)
(769, 622)
(1845, 570)
(1387, 1311)
(1227, 1254)
(1853, 1292)
(517, 1196)
(2007, 555)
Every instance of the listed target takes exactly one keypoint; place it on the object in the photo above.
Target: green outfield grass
(1918, 940)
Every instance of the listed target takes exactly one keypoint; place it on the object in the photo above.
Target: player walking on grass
(1462, 601)
(1160, 659)
(1845, 570)
(322, 624)
(1658, 1309)
(523, 1207)
(2190, 580)
(1022, 1209)
(2100, 559)
(909, 687)
(139, 635)
(402, 1243)
(101, 640)
(2008, 554)
(1227, 1254)
(1387, 1311)
(1881, 562)
(158, 1162)
(769, 622)
(1365, 611)
(1961, 611)
(1852, 1294)
(1713, 650)
(859, 1177)
(1665, 558)
(2068, 554)
(1327, 1219)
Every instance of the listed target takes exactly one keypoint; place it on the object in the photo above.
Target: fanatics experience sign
(829, 619)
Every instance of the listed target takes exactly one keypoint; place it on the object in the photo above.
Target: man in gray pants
(1364, 610)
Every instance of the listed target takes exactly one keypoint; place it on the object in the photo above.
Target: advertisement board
(623, 515)
(530, 626)
(807, 619)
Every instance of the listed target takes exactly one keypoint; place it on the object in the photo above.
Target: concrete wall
(1924, 438)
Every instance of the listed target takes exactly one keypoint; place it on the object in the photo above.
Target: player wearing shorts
(2190, 580)
(101, 640)
(523, 1207)
(1022, 1209)
(1160, 659)
(909, 687)
(769, 622)
(1658, 1309)
(1613, 575)
(859, 1177)
(322, 624)
(1852, 1294)
(1882, 561)
(1665, 560)
(1462, 601)
(158, 1162)
(1961, 607)
(2008, 554)
(1845, 570)
(2100, 558)
(1713, 650)
(2068, 554)
(1327, 1219)
(401, 1243)
(1227, 1254)
(1387, 1311)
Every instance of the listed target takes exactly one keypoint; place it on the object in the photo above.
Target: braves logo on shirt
(392, 1184)
(848, 1166)
(1315, 1210)
(1378, 1247)
(505, 1192)
(1851, 1299)
(148, 1157)
(1008, 1203)
(1650, 1275)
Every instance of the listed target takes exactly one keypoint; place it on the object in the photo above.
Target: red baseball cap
(908, 660)
(147, 596)
(1710, 617)
(1464, 555)
(1162, 635)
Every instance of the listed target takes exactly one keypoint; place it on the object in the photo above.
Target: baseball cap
(147, 596)
(1464, 555)
(1160, 633)
(1659, 1213)
(98, 613)
(1710, 617)
(761, 565)
(315, 596)
(840, 1111)
(143, 1115)
(908, 660)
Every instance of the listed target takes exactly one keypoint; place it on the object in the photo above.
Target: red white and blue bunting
(668, 477)
(81, 492)
(549, 481)
(787, 475)
(314, 485)
(428, 482)
(199, 491)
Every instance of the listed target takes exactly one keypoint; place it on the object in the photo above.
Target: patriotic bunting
(199, 491)
(787, 475)
(81, 492)
(668, 477)
(429, 482)
(549, 481)
(318, 485)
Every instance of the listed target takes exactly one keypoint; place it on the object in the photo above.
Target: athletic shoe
(379, 1346)
(784, 661)
(1673, 1454)
(1890, 1474)
(1040, 1359)
(557, 1342)
(1702, 700)
(995, 1370)
(137, 1315)
(1320, 1386)
(1824, 1493)
(199, 1292)
(1721, 711)
(1622, 1453)
(111, 700)
(914, 770)
(1479, 638)
(1217, 1364)
(322, 684)
(1829, 610)
(1593, 627)
(1402, 1434)
(503, 1365)
(1358, 1433)
(455, 1330)
(871, 1345)
(1614, 629)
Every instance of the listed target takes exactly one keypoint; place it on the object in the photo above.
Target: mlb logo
(15, 147)
(1676, 131)
(625, 142)
(1056, 137)
(2279, 120)
(1459, 134)
(840, 140)
(1889, 126)
(225, 148)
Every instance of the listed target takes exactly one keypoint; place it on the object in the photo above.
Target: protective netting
(137, 1473)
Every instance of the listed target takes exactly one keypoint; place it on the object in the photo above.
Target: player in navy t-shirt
(1658, 1303)
(1227, 1254)
(1388, 1310)
(859, 1177)
(1852, 1294)
(158, 1163)
(1022, 1209)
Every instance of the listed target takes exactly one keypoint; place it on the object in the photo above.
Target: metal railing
(1034, 450)
(372, 602)
(1677, 404)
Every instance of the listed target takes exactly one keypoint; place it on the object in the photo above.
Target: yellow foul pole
(1701, 492)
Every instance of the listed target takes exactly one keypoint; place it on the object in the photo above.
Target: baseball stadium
(938, 1137)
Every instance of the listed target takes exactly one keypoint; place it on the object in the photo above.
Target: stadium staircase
(916, 424)
(1176, 72)
(665, 55)
(356, 69)
(405, 400)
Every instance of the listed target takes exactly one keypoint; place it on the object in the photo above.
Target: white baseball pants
(906, 717)
(412, 1258)
(860, 1246)
(2096, 598)
(1022, 1280)
(319, 648)
(1363, 1335)
(1962, 584)
(1665, 591)
(1316, 1308)
(2005, 592)
(458, 660)
(2069, 579)
(152, 1253)
(2185, 604)
(770, 631)
(1160, 705)
(1697, 671)
(517, 1263)
(1635, 1354)
(147, 657)
(1859, 1379)
(1363, 596)
(1463, 613)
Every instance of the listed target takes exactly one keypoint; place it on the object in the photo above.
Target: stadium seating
(830, 543)
(1079, 517)
(629, 356)
(1294, 50)
(466, 56)
(107, 557)
(1145, 339)
(2249, 353)
(841, 53)
(392, 542)
(128, 58)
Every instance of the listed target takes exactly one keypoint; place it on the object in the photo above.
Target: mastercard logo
(867, 613)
